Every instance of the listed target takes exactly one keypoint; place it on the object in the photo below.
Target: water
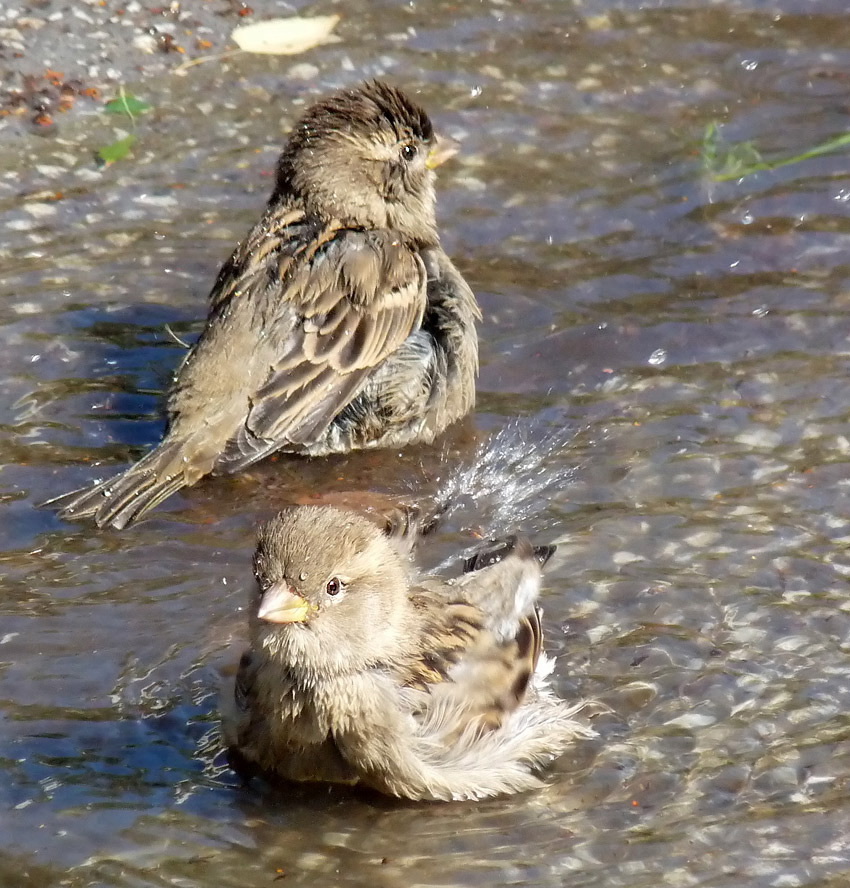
(683, 343)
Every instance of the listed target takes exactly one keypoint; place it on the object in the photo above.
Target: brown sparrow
(338, 323)
(361, 672)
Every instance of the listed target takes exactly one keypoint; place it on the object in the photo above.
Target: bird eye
(408, 151)
(334, 586)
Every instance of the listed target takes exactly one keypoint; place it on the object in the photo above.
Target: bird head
(331, 591)
(366, 156)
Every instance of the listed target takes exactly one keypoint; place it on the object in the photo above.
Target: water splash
(512, 478)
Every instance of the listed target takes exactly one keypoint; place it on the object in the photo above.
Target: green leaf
(117, 150)
(128, 104)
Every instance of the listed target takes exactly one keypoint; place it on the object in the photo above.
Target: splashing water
(511, 480)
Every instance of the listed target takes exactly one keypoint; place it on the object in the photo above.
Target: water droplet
(476, 91)
(749, 64)
(302, 576)
(747, 218)
(761, 312)
(659, 356)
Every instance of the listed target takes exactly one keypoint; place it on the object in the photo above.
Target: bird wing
(480, 651)
(277, 238)
(456, 720)
(349, 299)
(473, 680)
(236, 696)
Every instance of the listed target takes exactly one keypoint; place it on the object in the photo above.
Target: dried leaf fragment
(286, 36)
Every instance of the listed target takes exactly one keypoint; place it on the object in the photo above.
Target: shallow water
(678, 348)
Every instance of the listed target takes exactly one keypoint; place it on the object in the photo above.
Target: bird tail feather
(482, 764)
(125, 498)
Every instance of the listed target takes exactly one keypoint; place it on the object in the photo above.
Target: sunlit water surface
(677, 351)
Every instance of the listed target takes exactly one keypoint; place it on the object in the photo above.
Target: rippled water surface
(678, 347)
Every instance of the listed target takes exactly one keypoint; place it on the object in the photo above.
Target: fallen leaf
(117, 150)
(128, 104)
(286, 36)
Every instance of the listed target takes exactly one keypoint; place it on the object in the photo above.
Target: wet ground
(677, 349)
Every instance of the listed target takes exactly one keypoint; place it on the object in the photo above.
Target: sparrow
(337, 324)
(361, 672)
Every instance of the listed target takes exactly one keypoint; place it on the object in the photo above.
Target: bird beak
(280, 604)
(442, 149)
